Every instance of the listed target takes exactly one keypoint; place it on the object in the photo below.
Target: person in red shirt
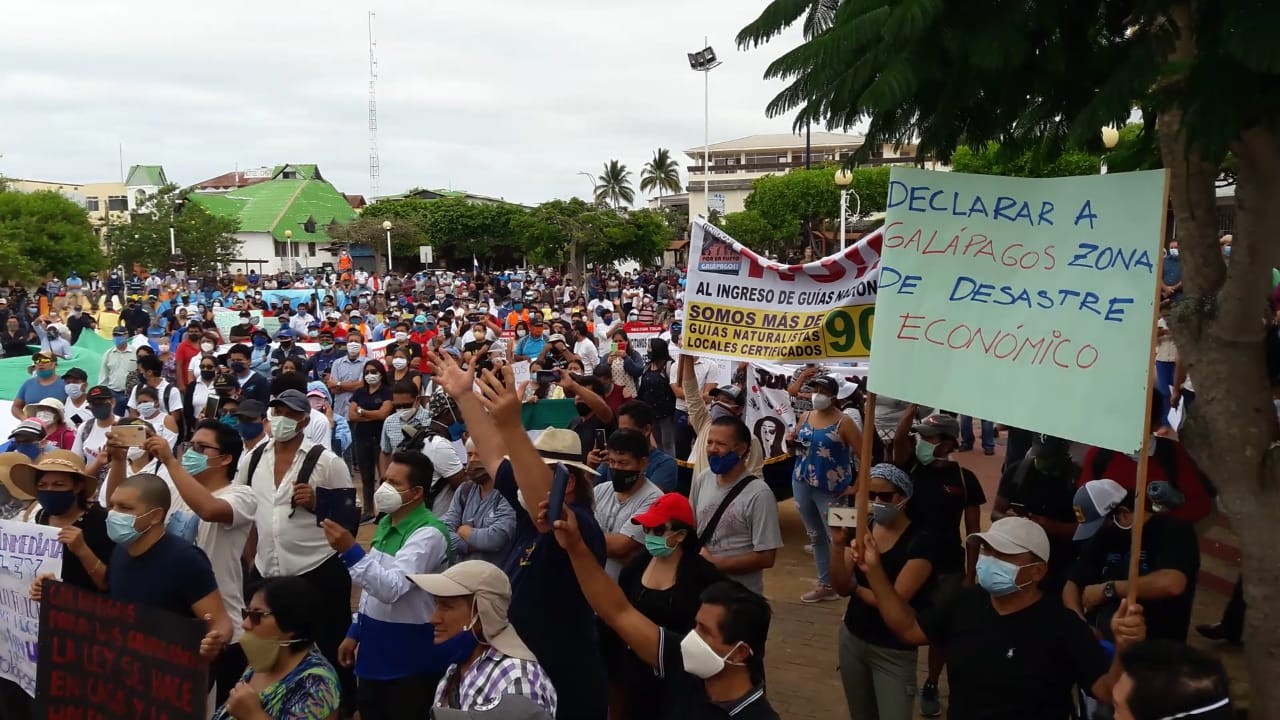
(421, 335)
(332, 325)
(187, 349)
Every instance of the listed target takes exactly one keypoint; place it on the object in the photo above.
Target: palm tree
(819, 16)
(662, 173)
(615, 185)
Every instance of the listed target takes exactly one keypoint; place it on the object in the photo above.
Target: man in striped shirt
(491, 660)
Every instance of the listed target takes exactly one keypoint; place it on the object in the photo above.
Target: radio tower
(375, 166)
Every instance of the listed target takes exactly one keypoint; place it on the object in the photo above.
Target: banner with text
(740, 306)
(27, 551)
(101, 658)
(1022, 301)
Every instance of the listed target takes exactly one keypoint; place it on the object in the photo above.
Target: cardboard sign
(27, 551)
(101, 659)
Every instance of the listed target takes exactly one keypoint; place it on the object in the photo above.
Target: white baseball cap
(1014, 535)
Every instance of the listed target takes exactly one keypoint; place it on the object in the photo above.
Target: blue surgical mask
(721, 464)
(249, 430)
(194, 462)
(120, 527)
(999, 577)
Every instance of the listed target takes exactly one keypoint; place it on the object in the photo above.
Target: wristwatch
(1109, 590)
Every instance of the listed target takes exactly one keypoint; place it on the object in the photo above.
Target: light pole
(844, 179)
(173, 246)
(386, 225)
(704, 61)
(288, 246)
(1110, 136)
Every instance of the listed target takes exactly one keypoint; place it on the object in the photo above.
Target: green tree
(614, 185)
(992, 160)
(751, 229)
(1046, 75)
(44, 232)
(406, 236)
(204, 240)
(573, 232)
(662, 173)
(803, 199)
(455, 228)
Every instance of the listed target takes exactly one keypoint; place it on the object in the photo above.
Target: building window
(311, 249)
(139, 198)
(309, 226)
(289, 175)
(91, 204)
(117, 203)
(282, 249)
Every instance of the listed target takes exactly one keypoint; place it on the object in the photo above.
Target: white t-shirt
(91, 446)
(586, 349)
(170, 400)
(223, 543)
(705, 371)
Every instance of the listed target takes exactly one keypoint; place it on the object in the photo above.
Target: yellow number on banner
(848, 331)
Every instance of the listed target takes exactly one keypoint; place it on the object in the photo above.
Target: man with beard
(1041, 487)
(480, 520)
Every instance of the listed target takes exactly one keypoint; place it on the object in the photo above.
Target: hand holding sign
(37, 585)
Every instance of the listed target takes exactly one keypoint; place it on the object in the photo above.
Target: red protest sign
(100, 659)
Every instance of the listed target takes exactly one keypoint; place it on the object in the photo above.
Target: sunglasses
(255, 616)
(883, 496)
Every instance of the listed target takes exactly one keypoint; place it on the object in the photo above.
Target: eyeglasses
(255, 616)
(202, 448)
(883, 496)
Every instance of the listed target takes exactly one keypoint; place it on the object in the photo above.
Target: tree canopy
(44, 232)
(203, 239)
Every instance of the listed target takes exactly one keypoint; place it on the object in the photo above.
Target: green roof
(275, 206)
(146, 175)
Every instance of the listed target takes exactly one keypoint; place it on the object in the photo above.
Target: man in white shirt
(289, 541)
(584, 346)
(301, 321)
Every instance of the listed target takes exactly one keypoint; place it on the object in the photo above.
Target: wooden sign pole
(863, 497)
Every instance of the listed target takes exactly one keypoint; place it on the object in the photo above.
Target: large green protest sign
(1023, 301)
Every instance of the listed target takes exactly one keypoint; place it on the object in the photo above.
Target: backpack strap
(309, 463)
(710, 530)
(254, 459)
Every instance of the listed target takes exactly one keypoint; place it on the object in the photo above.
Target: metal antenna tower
(375, 165)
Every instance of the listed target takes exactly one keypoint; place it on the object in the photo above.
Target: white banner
(768, 412)
(27, 550)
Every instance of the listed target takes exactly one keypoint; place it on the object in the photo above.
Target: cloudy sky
(508, 98)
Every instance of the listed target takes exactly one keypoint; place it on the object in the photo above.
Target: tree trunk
(1232, 431)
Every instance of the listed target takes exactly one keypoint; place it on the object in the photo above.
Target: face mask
(821, 402)
(372, 379)
(247, 430)
(283, 428)
(75, 391)
(478, 334)
(206, 347)
(1173, 252)
(326, 346)
(56, 502)
(925, 450)
(45, 374)
(261, 653)
(120, 341)
(719, 410)
(45, 417)
(260, 341)
(476, 473)
(194, 462)
(999, 577)
(387, 499)
(721, 464)
(883, 513)
(135, 454)
(407, 414)
(238, 367)
(101, 412)
(146, 409)
(657, 545)
(699, 659)
(353, 348)
(120, 527)
(399, 363)
(623, 480)
(402, 336)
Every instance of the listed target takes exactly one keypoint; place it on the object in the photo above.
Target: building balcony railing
(774, 167)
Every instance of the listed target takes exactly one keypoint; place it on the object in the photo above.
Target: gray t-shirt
(615, 517)
(749, 524)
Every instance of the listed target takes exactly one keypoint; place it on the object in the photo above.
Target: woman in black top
(370, 405)
(878, 671)
(402, 368)
(665, 584)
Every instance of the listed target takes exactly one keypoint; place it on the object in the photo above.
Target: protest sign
(741, 306)
(100, 658)
(1023, 301)
(768, 412)
(27, 551)
(639, 335)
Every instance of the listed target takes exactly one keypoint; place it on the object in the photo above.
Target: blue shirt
(530, 346)
(1171, 274)
(33, 392)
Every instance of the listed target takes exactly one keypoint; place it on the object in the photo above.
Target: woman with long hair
(370, 405)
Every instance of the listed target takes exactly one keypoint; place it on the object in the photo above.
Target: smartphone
(601, 439)
(622, 346)
(846, 517)
(555, 501)
(546, 376)
(130, 435)
(338, 505)
(211, 407)
(613, 348)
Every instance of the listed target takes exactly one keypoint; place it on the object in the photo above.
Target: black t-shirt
(1041, 494)
(1167, 544)
(93, 526)
(370, 401)
(78, 324)
(243, 330)
(684, 696)
(548, 609)
(863, 620)
(942, 492)
(172, 575)
(1020, 666)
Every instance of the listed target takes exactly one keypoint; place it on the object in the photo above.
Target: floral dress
(309, 692)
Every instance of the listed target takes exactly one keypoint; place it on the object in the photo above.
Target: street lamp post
(288, 246)
(1110, 136)
(704, 61)
(844, 179)
(386, 225)
(173, 246)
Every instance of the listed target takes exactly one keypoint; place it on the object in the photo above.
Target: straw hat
(7, 461)
(557, 445)
(53, 404)
(25, 475)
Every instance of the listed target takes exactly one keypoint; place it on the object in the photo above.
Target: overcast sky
(507, 98)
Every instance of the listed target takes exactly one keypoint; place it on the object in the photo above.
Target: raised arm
(205, 505)
(457, 382)
(699, 417)
(902, 450)
(498, 397)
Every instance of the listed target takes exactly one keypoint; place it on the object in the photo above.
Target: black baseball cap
(251, 409)
(75, 374)
(100, 392)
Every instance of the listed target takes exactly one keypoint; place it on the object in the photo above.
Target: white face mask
(134, 454)
(402, 336)
(46, 417)
(699, 659)
(386, 499)
(407, 414)
(399, 363)
(75, 391)
(353, 348)
(372, 379)
(283, 428)
(146, 409)
(207, 347)
(821, 402)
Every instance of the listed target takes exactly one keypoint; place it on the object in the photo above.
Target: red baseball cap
(672, 506)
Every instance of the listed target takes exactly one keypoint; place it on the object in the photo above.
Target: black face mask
(101, 412)
(623, 480)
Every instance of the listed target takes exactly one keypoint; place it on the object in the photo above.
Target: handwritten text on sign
(100, 658)
(740, 306)
(1024, 301)
(27, 551)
